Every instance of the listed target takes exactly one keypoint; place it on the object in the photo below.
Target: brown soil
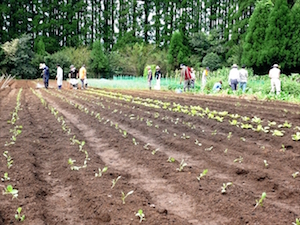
(51, 193)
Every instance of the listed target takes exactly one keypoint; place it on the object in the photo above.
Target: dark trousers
(46, 82)
(233, 84)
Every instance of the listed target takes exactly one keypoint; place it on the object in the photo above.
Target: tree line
(196, 32)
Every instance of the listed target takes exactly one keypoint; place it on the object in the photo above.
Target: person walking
(158, 77)
(59, 76)
(46, 74)
(234, 77)
(243, 78)
(185, 74)
(204, 77)
(193, 78)
(149, 77)
(274, 75)
(82, 75)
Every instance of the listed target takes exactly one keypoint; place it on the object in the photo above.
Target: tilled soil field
(133, 134)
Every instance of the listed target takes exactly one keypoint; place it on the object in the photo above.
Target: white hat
(234, 66)
(275, 65)
(157, 67)
(42, 65)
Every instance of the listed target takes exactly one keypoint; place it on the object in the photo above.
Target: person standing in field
(73, 75)
(46, 74)
(59, 76)
(204, 77)
(243, 78)
(274, 75)
(193, 78)
(82, 75)
(158, 77)
(185, 74)
(234, 77)
(149, 77)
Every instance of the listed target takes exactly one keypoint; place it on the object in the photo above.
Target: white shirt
(274, 73)
(59, 76)
(234, 75)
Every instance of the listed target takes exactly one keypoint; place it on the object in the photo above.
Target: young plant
(271, 123)
(224, 187)
(114, 181)
(277, 133)
(18, 215)
(234, 123)
(146, 146)
(202, 174)
(5, 177)
(214, 132)
(229, 135)
(295, 174)
(9, 190)
(154, 151)
(209, 149)
(99, 174)
(283, 148)
(185, 136)
(296, 137)
(181, 165)
(134, 141)
(71, 163)
(141, 215)
(266, 163)
(171, 159)
(124, 134)
(260, 201)
(256, 120)
(226, 150)
(125, 196)
(243, 139)
(81, 146)
(285, 125)
(297, 222)
(197, 143)
(240, 160)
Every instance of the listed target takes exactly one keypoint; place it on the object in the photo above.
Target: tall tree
(294, 62)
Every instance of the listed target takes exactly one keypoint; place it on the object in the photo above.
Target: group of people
(74, 74)
(237, 76)
(188, 75)
(157, 77)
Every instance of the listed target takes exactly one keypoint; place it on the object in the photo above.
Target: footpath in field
(138, 135)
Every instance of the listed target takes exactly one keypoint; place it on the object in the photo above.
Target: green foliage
(98, 60)
(39, 47)
(58, 58)
(212, 60)
(128, 39)
(295, 47)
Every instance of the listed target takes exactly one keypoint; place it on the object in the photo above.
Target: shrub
(211, 60)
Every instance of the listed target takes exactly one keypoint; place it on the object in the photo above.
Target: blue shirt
(217, 86)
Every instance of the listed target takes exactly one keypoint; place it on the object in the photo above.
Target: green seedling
(9, 190)
(185, 136)
(296, 137)
(71, 163)
(18, 215)
(99, 174)
(285, 125)
(214, 132)
(81, 146)
(266, 163)
(226, 150)
(245, 118)
(5, 177)
(134, 141)
(256, 120)
(229, 135)
(181, 165)
(149, 123)
(240, 160)
(146, 146)
(171, 159)
(156, 126)
(243, 139)
(165, 131)
(260, 201)
(114, 181)
(219, 119)
(261, 128)
(224, 187)
(295, 174)
(141, 215)
(283, 148)
(154, 151)
(202, 174)
(234, 123)
(234, 116)
(277, 133)
(125, 196)
(271, 123)
(124, 134)
(297, 222)
(224, 113)
(246, 126)
(197, 143)
(209, 149)
(174, 134)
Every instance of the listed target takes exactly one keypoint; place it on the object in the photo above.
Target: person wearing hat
(204, 77)
(158, 77)
(149, 77)
(82, 75)
(73, 75)
(243, 78)
(185, 74)
(45, 74)
(193, 78)
(274, 75)
(234, 77)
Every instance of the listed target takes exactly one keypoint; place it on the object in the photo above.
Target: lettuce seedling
(9, 190)
(202, 174)
(224, 187)
(256, 120)
(266, 163)
(124, 134)
(277, 133)
(271, 123)
(18, 215)
(234, 123)
(5, 177)
(114, 181)
(141, 215)
(214, 132)
(260, 201)
(165, 131)
(240, 160)
(297, 222)
(81, 146)
(101, 172)
(296, 137)
(226, 150)
(229, 135)
(71, 162)
(245, 118)
(134, 141)
(181, 165)
(246, 126)
(243, 139)
(154, 151)
(209, 149)
(197, 143)
(171, 159)
(146, 146)
(285, 125)
(125, 196)
(295, 174)
(185, 136)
